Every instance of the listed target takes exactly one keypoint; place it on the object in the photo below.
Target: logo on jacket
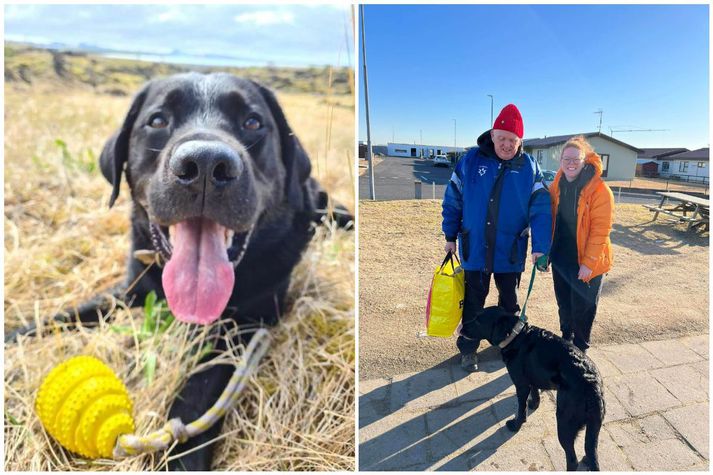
(482, 170)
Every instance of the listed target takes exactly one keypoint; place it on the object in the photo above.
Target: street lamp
(454, 142)
(369, 155)
(454, 135)
(491, 109)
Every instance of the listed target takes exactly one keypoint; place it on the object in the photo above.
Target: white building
(649, 161)
(413, 150)
(688, 166)
(618, 158)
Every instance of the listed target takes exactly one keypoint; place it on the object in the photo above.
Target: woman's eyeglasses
(571, 161)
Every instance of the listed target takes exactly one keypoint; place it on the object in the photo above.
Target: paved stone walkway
(443, 418)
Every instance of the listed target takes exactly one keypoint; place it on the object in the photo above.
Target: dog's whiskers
(160, 243)
(255, 143)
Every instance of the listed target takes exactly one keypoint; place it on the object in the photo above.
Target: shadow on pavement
(420, 384)
(438, 432)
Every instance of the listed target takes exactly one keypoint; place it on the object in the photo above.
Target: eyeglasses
(571, 161)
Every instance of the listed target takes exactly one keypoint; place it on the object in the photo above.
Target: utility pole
(454, 136)
(600, 112)
(421, 142)
(491, 109)
(372, 193)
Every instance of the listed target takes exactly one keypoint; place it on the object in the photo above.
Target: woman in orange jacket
(582, 212)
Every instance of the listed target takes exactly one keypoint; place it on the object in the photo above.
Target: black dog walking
(537, 359)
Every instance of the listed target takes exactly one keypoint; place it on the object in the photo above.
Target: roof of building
(559, 139)
(660, 152)
(698, 154)
(411, 145)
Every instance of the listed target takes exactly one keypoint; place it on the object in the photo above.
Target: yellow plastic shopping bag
(444, 308)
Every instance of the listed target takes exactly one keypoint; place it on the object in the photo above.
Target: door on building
(413, 151)
(605, 164)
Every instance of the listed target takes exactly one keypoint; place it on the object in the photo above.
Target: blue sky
(287, 35)
(645, 66)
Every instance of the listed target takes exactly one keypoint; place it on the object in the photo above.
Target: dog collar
(515, 332)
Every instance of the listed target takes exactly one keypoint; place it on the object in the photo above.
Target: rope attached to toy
(175, 429)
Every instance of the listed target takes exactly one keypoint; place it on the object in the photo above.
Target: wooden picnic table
(699, 207)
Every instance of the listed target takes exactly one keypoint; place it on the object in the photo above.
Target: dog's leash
(175, 429)
(540, 264)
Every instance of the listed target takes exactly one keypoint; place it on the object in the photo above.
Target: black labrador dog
(537, 359)
(222, 195)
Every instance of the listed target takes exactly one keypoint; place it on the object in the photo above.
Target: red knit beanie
(510, 119)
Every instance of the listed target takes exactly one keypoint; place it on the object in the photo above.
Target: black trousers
(477, 286)
(577, 302)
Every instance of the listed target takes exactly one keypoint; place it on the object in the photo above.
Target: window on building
(400, 150)
(701, 164)
(664, 166)
(605, 164)
(683, 167)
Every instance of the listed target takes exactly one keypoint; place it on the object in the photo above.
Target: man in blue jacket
(495, 196)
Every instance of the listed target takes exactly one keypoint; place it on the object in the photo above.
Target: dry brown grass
(63, 245)
(657, 288)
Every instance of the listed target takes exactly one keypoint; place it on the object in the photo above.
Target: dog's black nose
(195, 160)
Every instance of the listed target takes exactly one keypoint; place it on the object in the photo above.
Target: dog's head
(206, 157)
(495, 324)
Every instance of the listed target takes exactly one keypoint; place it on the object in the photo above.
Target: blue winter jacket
(493, 227)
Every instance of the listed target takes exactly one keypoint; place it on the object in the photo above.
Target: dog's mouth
(198, 277)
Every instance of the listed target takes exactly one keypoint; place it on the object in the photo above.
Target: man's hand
(584, 272)
(541, 262)
(535, 256)
(451, 247)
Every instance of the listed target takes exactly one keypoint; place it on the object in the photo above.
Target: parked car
(549, 177)
(441, 161)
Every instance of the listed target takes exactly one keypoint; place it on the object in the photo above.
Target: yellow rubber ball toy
(85, 406)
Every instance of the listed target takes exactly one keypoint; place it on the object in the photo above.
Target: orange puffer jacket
(595, 215)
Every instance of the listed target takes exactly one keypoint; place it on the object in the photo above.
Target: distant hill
(25, 64)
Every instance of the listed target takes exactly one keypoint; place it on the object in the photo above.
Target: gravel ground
(657, 289)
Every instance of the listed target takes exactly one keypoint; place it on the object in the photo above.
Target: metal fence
(702, 180)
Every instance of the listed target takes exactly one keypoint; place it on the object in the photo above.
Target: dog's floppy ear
(116, 150)
(294, 158)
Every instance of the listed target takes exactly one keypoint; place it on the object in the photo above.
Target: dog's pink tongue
(198, 279)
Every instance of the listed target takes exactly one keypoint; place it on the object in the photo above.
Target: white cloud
(20, 12)
(266, 17)
(170, 14)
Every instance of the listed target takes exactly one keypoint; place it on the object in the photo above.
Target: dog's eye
(157, 121)
(252, 123)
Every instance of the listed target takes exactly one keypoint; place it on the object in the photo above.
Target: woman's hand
(584, 272)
